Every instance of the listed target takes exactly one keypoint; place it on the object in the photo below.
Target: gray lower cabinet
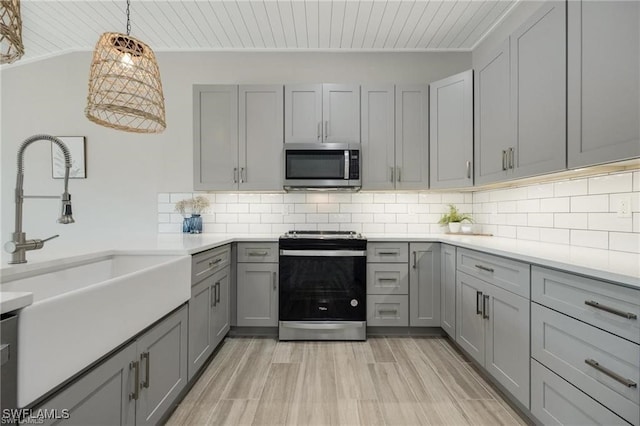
(451, 131)
(603, 39)
(448, 290)
(424, 285)
(492, 326)
(257, 285)
(137, 385)
(387, 284)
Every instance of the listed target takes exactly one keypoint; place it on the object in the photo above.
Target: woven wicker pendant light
(11, 47)
(125, 90)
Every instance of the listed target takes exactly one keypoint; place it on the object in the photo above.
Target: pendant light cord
(128, 20)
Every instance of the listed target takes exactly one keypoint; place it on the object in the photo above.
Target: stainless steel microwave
(328, 166)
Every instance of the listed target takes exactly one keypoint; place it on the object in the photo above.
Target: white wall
(125, 171)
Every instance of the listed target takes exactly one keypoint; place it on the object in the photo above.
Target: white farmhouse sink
(83, 310)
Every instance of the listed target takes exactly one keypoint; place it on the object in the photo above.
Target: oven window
(315, 164)
(322, 288)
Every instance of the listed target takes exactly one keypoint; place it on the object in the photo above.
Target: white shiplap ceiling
(52, 27)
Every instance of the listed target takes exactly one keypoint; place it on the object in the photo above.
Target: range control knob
(354, 302)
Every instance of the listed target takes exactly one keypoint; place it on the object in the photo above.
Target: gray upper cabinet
(492, 115)
(424, 285)
(215, 136)
(412, 137)
(451, 131)
(538, 93)
(238, 137)
(378, 136)
(261, 129)
(448, 290)
(604, 88)
(322, 113)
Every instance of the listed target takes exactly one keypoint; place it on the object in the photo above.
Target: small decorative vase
(186, 225)
(195, 224)
(454, 227)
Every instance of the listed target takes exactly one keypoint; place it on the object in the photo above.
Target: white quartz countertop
(614, 266)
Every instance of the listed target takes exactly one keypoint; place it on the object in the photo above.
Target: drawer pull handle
(485, 308)
(135, 365)
(615, 376)
(478, 303)
(388, 279)
(388, 253)
(627, 315)
(485, 268)
(388, 311)
(213, 263)
(258, 253)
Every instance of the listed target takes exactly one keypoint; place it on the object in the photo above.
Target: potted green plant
(453, 218)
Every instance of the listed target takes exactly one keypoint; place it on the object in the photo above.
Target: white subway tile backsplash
(249, 218)
(624, 241)
(528, 206)
(406, 198)
(238, 208)
(395, 228)
(607, 184)
(590, 203)
(408, 218)
(507, 207)
(540, 191)
(164, 197)
(166, 208)
(362, 217)
(555, 235)
(634, 197)
(418, 208)
(260, 228)
(570, 188)
(339, 217)
(317, 198)
(528, 233)
(384, 198)
(290, 218)
(260, 208)
(306, 208)
(636, 222)
(610, 222)
(418, 228)
(350, 208)
(385, 218)
(227, 217)
(555, 205)
(271, 218)
(373, 208)
(294, 198)
(317, 218)
(362, 198)
(428, 198)
(571, 220)
(594, 239)
(540, 220)
(249, 198)
(453, 198)
(507, 231)
(272, 198)
(239, 228)
(328, 208)
(175, 197)
(395, 208)
(373, 228)
(226, 198)
(636, 181)
(339, 198)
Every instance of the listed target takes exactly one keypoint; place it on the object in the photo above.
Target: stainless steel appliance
(326, 166)
(323, 286)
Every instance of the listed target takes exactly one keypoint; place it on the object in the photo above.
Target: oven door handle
(320, 326)
(324, 253)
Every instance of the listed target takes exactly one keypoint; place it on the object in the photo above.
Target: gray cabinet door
(507, 341)
(451, 131)
(470, 329)
(448, 289)
(221, 318)
(101, 397)
(492, 115)
(341, 113)
(604, 89)
(424, 285)
(200, 325)
(257, 289)
(412, 137)
(215, 137)
(378, 136)
(162, 353)
(538, 92)
(303, 113)
(261, 132)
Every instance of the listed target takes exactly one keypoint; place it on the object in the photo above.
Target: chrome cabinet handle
(258, 253)
(627, 315)
(145, 356)
(235, 175)
(478, 298)
(242, 175)
(326, 129)
(504, 159)
(135, 365)
(388, 253)
(468, 169)
(415, 260)
(615, 376)
(485, 308)
(387, 279)
(485, 268)
(392, 173)
(511, 161)
(213, 296)
(319, 130)
(398, 173)
(218, 293)
(388, 311)
(275, 281)
(215, 262)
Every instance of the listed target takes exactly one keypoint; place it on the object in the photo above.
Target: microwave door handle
(346, 165)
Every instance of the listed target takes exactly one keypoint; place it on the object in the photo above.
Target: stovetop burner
(351, 235)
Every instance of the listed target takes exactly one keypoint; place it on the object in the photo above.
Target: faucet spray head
(66, 217)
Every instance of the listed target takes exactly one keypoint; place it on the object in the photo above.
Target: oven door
(322, 285)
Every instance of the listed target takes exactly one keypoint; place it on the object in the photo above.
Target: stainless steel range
(323, 286)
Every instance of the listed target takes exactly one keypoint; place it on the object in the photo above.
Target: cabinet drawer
(387, 252)
(258, 252)
(208, 262)
(615, 306)
(556, 402)
(565, 345)
(387, 278)
(387, 310)
(509, 274)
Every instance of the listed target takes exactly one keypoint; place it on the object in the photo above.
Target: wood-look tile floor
(383, 381)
